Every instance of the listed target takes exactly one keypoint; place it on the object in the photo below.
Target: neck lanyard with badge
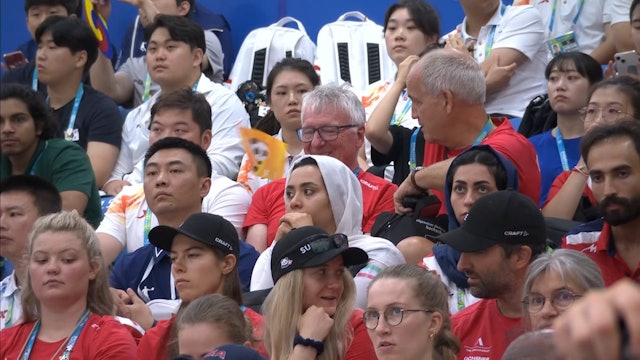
(563, 42)
(561, 150)
(71, 342)
(72, 134)
(492, 33)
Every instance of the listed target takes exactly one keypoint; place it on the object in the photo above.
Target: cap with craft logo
(310, 246)
(209, 229)
(502, 217)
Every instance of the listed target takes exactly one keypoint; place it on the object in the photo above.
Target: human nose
(548, 310)
(462, 263)
(469, 199)
(177, 265)
(52, 266)
(161, 178)
(293, 97)
(608, 186)
(295, 202)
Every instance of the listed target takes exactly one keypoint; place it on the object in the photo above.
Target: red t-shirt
(483, 331)
(558, 183)
(102, 337)
(510, 144)
(267, 204)
(361, 347)
(594, 240)
(153, 344)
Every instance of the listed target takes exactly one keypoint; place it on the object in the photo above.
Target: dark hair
(71, 33)
(627, 128)
(45, 196)
(186, 99)
(634, 4)
(200, 157)
(304, 162)
(582, 63)
(269, 124)
(483, 157)
(69, 5)
(36, 106)
(180, 29)
(626, 85)
(424, 16)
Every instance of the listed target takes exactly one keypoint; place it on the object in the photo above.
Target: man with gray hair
(447, 89)
(332, 124)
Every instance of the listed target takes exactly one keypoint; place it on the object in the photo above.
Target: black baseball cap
(209, 229)
(502, 217)
(311, 246)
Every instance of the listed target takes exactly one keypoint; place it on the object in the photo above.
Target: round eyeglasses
(392, 316)
(560, 299)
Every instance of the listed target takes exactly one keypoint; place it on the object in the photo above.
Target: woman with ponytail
(407, 315)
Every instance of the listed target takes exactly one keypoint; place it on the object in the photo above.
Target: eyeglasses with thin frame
(392, 316)
(560, 299)
(609, 113)
(327, 133)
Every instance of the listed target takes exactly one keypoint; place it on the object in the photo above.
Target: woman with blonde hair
(408, 315)
(310, 314)
(211, 321)
(66, 302)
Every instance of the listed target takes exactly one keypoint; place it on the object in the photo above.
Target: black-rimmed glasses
(560, 299)
(327, 133)
(392, 316)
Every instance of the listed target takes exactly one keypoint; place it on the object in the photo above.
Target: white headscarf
(344, 190)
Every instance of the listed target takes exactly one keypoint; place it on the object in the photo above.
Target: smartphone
(627, 62)
(14, 59)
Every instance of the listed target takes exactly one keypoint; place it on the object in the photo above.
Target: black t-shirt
(399, 152)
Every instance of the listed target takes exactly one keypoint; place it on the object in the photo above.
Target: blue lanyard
(147, 226)
(554, 8)
(492, 33)
(356, 171)
(397, 120)
(32, 171)
(412, 149)
(484, 132)
(68, 135)
(561, 151)
(146, 94)
(34, 80)
(71, 343)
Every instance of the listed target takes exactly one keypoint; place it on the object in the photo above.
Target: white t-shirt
(125, 218)
(520, 28)
(619, 11)
(225, 151)
(589, 27)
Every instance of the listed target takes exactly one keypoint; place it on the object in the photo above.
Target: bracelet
(580, 170)
(318, 345)
(412, 177)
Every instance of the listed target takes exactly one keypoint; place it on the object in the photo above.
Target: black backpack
(538, 117)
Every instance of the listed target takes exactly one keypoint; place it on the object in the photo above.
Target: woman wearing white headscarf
(323, 192)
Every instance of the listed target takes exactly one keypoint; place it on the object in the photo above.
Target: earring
(431, 336)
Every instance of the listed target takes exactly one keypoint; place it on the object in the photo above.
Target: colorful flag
(99, 26)
(266, 154)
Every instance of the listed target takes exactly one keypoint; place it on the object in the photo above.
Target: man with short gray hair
(448, 92)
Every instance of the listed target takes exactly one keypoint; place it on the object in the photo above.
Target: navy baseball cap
(233, 352)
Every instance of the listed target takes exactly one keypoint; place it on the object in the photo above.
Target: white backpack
(265, 46)
(353, 52)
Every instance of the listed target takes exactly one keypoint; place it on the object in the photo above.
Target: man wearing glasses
(503, 233)
(332, 124)
(612, 155)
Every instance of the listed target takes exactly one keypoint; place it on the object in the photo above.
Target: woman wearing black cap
(310, 311)
(204, 252)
